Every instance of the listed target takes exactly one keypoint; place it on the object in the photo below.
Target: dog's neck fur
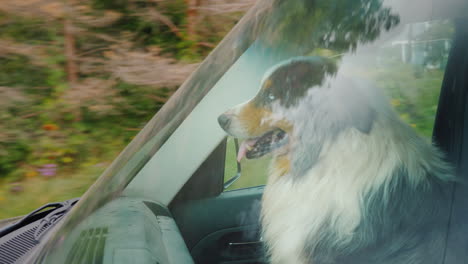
(339, 204)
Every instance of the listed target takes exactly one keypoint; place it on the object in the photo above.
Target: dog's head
(295, 95)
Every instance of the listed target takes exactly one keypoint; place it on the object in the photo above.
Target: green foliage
(414, 94)
(338, 25)
(11, 153)
(28, 30)
(153, 32)
(138, 101)
(54, 135)
(121, 5)
(17, 71)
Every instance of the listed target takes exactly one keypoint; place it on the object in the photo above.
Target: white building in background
(415, 51)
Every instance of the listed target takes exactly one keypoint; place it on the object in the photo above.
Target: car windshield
(271, 85)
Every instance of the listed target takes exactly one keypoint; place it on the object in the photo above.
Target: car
(177, 194)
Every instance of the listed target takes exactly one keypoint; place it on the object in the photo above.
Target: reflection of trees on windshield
(338, 25)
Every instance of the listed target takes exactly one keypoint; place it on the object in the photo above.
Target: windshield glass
(291, 80)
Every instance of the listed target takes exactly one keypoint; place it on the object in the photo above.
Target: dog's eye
(271, 97)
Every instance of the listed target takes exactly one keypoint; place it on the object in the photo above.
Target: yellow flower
(395, 102)
(413, 125)
(30, 174)
(405, 117)
(67, 159)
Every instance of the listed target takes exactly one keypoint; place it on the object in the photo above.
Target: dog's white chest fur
(294, 211)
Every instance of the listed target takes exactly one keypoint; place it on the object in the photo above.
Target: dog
(349, 181)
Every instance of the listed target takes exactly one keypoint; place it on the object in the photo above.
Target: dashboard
(128, 230)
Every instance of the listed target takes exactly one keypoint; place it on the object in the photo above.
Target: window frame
(451, 135)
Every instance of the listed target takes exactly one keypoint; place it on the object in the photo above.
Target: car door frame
(451, 135)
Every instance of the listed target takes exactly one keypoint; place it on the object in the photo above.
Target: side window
(409, 68)
(252, 172)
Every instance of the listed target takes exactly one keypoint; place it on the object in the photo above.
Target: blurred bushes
(414, 94)
(22, 29)
(17, 71)
(121, 5)
(146, 20)
(10, 154)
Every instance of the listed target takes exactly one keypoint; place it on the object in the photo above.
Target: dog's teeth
(249, 148)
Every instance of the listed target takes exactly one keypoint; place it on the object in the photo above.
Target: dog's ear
(362, 116)
(357, 111)
(292, 80)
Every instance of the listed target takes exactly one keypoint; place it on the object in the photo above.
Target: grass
(414, 94)
(37, 191)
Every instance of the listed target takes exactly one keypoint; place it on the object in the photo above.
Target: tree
(192, 16)
(70, 53)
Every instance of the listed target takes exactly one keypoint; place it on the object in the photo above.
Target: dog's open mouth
(257, 147)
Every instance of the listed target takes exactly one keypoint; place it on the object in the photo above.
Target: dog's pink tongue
(243, 148)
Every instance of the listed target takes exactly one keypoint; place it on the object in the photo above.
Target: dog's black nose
(224, 121)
